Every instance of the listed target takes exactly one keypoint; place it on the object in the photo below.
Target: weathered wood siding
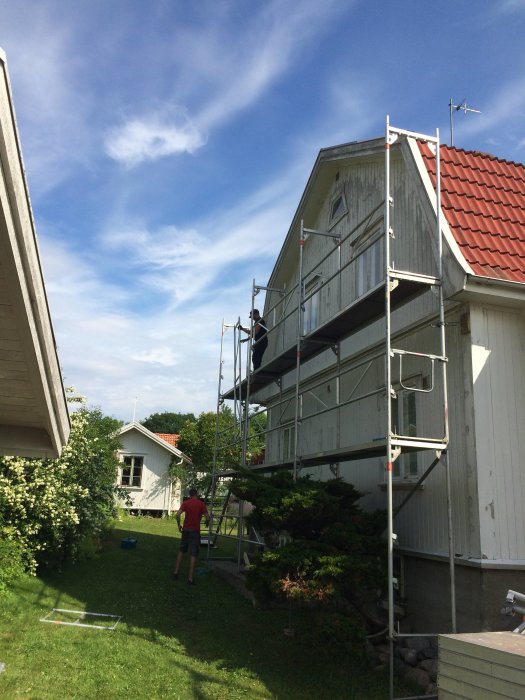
(155, 492)
(422, 524)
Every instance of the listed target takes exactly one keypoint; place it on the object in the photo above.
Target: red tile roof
(483, 199)
(172, 438)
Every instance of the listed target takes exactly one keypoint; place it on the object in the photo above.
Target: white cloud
(153, 137)
(113, 354)
(158, 356)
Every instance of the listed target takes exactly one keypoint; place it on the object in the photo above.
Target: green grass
(174, 641)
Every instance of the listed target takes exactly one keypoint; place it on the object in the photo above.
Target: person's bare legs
(178, 562)
(191, 572)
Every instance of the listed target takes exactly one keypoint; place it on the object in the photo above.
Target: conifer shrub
(322, 550)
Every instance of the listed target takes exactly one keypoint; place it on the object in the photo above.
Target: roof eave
(492, 290)
(32, 289)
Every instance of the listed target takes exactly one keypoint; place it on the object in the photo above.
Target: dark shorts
(191, 539)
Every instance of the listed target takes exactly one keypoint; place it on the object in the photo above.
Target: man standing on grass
(193, 509)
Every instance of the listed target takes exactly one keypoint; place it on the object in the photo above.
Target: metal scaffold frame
(397, 287)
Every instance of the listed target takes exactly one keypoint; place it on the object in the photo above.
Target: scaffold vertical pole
(442, 327)
(300, 296)
(388, 385)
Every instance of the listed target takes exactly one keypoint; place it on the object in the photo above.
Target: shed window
(132, 471)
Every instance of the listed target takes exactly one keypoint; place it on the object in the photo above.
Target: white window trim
(131, 487)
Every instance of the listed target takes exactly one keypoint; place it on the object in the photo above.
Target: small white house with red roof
(341, 385)
(144, 474)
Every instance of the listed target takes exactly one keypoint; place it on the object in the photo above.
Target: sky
(167, 144)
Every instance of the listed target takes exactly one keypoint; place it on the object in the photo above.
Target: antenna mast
(455, 108)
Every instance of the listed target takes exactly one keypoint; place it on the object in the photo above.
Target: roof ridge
(482, 154)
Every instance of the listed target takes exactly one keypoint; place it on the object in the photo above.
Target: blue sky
(167, 144)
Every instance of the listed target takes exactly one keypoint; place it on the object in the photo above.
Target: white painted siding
(498, 365)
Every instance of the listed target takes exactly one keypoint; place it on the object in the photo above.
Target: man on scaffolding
(260, 341)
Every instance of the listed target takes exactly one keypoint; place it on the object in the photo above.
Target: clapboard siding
(498, 338)
(484, 666)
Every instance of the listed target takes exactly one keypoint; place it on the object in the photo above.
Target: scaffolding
(357, 305)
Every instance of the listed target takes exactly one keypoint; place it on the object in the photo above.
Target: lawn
(173, 641)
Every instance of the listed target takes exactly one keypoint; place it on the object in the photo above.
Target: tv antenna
(456, 108)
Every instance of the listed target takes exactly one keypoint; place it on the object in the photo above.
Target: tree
(167, 422)
(198, 440)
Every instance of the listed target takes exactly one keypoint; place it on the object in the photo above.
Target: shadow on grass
(210, 621)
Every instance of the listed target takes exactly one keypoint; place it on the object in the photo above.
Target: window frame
(311, 307)
(336, 216)
(136, 471)
(288, 443)
(369, 245)
(406, 467)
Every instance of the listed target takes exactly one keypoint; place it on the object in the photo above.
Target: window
(338, 209)
(311, 305)
(404, 419)
(132, 472)
(369, 266)
(288, 443)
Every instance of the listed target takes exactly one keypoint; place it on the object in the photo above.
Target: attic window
(338, 209)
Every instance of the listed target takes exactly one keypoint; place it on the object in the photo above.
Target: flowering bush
(49, 507)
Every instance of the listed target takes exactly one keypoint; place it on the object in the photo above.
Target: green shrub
(12, 561)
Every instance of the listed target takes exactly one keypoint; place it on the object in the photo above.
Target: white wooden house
(145, 458)
(338, 386)
(34, 420)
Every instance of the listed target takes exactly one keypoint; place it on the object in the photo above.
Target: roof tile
(171, 438)
(483, 200)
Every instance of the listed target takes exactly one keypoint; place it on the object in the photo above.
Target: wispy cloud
(510, 6)
(231, 80)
